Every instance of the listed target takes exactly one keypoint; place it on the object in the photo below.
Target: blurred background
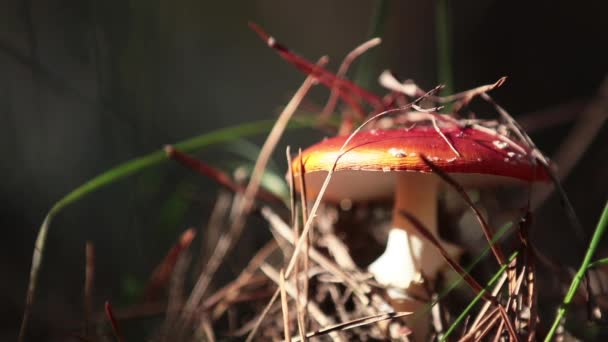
(86, 85)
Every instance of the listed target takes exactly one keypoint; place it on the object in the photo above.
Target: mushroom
(379, 163)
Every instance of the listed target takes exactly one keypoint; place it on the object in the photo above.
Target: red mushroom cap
(473, 156)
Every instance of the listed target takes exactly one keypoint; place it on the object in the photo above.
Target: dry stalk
(89, 276)
(225, 241)
(488, 327)
(499, 332)
(300, 309)
(486, 305)
(176, 291)
(284, 306)
(335, 246)
(205, 330)
(113, 322)
(360, 289)
(308, 243)
(474, 330)
(214, 226)
(231, 291)
(348, 60)
(358, 322)
(315, 312)
(257, 322)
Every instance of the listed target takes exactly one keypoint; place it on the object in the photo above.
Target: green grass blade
(598, 263)
(580, 274)
(129, 168)
(499, 234)
(444, 45)
(465, 312)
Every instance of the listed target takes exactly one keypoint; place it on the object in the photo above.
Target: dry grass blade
(357, 323)
(113, 322)
(231, 291)
(307, 246)
(300, 309)
(436, 316)
(483, 323)
(315, 312)
(482, 222)
(360, 289)
(531, 299)
(291, 183)
(263, 314)
(89, 276)
(237, 225)
(205, 330)
(212, 230)
(486, 305)
(388, 80)
(348, 60)
(447, 141)
(499, 332)
(488, 327)
(466, 96)
(176, 290)
(162, 274)
(284, 306)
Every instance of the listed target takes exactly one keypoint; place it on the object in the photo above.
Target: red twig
(325, 77)
(162, 274)
(220, 177)
(113, 322)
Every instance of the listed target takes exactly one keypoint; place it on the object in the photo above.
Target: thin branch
(350, 58)
(284, 306)
(113, 322)
(89, 279)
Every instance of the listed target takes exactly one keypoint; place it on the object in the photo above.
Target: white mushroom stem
(408, 255)
(409, 258)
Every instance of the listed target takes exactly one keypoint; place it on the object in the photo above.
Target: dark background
(86, 85)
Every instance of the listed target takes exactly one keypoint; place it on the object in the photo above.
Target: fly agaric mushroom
(379, 163)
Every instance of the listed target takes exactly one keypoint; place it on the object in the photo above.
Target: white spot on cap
(511, 154)
(500, 144)
(397, 152)
(451, 159)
